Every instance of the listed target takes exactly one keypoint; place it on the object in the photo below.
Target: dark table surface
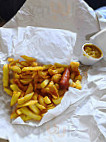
(8, 8)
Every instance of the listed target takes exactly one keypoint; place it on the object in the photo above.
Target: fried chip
(15, 69)
(32, 68)
(57, 101)
(8, 91)
(25, 98)
(14, 87)
(13, 115)
(47, 100)
(10, 59)
(30, 102)
(35, 109)
(29, 113)
(5, 75)
(44, 83)
(15, 97)
(30, 59)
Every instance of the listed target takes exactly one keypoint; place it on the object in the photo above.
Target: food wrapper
(81, 116)
(48, 46)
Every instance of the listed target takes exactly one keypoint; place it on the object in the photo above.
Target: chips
(10, 59)
(25, 98)
(5, 75)
(32, 68)
(35, 109)
(34, 88)
(30, 59)
(57, 101)
(15, 97)
(14, 87)
(44, 83)
(47, 100)
(8, 91)
(29, 89)
(31, 102)
(29, 113)
(15, 69)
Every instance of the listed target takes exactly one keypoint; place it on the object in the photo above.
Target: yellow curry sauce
(92, 50)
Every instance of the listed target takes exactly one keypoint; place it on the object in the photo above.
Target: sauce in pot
(92, 50)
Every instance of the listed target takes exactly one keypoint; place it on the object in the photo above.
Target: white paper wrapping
(77, 106)
(47, 46)
(99, 39)
(81, 117)
(101, 19)
(73, 15)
